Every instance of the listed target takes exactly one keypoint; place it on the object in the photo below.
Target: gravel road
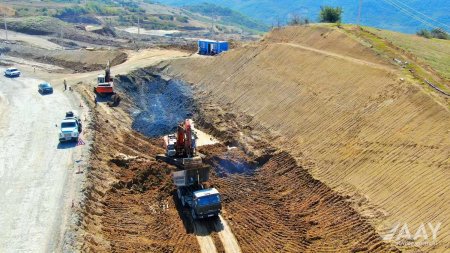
(35, 171)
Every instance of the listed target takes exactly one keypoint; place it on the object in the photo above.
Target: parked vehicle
(12, 72)
(70, 128)
(45, 88)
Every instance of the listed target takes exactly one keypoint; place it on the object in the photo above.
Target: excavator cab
(101, 79)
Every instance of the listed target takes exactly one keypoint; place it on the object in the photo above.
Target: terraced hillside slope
(357, 121)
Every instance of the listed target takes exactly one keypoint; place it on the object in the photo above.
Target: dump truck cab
(203, 203)
(207, 203)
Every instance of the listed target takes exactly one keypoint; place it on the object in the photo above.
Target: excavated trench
(160, 105)
(270, 202)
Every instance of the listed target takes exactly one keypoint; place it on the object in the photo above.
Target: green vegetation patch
(227, 16)
(39, 25)
(434, 52)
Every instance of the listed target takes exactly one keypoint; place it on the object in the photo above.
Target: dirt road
(35, 171)
(35, 40)
(229, 242)
(203, 231)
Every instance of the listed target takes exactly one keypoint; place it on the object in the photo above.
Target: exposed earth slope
(357, 122)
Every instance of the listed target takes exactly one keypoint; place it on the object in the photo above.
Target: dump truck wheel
(194, 216)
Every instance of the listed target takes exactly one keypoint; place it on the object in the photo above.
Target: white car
(70, 128)
(12, 72)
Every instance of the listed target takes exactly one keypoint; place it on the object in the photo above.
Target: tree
(330, 14)
(424, 33)
(439, 33)
(297, 20)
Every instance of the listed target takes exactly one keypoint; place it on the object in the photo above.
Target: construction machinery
(192, 173)
(105, 84)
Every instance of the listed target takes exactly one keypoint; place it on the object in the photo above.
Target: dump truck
(203, 202)
(192, 174)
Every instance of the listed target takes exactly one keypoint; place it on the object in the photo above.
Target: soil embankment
(270, 203)
(74, 60)
(348, 116)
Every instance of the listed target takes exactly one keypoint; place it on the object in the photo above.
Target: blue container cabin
(212, 47)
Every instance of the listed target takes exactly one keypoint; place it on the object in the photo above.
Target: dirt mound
(8, 11)
(323, 38)
(106, 31)
(77, 60)
(43, 25)
(283, 209)
(359, 124)
(129, 205)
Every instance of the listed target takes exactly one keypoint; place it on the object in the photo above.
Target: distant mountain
(386, 14)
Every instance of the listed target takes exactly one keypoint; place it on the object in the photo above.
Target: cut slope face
(343, 111)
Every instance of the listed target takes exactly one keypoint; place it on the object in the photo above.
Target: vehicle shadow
(67, 145)
(103, 98)
(184, 214)
(45, 93)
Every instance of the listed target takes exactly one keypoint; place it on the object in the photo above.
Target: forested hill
(400, 15)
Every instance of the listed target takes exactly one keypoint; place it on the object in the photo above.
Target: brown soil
(76, 60)
(363, 126)
(273, 205)
(283, 209)
(129, 205)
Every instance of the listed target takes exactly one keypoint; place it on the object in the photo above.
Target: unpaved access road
(36, 171)
(203, 232)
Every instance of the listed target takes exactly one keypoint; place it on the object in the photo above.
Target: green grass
(434, 52)
(227, 16)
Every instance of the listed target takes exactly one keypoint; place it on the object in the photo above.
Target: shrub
(298, 20)
(424, 33)
(330, 14)
(437, 33)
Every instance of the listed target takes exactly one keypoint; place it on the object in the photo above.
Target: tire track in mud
(205, 230)
(281, 208)
(226, 236)
(205, 241)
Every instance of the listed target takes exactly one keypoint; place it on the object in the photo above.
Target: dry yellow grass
(434, 52)
(345, 114)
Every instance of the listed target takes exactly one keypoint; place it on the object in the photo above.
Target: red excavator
(185, 145)
(181, 147)
(192, 174)
(104, 85)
